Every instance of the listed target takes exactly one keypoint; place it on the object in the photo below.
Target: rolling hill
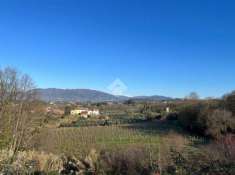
(88, 95)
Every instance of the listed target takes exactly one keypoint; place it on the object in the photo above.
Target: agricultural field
(78, 141)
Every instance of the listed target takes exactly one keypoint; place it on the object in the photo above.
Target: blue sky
(165, 47)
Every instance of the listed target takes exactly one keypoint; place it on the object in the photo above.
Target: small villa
(85, 112)
(78, 111)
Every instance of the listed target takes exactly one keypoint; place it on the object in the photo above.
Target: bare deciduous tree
(16, 97)
(192, 96)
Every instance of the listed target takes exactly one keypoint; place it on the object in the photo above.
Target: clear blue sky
(165, 47)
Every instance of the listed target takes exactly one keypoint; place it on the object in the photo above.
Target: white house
(94, 112)
(78, 111)
(168, 109)
(85, 112)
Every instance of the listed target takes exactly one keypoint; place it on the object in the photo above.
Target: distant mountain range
(87, 95)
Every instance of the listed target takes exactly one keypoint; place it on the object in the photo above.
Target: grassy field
(78, 141)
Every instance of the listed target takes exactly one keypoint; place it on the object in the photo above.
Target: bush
(216, 123)
(151, 112)
(206, 121)
(210, 160)
(152, 115)
(230, 102)
(188, 118)
(132, 161)
(172, 116)
(29, 162)
(67, 110)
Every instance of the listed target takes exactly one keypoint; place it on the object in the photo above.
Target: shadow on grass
(165, 127)
(156, 127)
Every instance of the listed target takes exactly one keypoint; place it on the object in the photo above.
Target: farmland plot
(79, 141)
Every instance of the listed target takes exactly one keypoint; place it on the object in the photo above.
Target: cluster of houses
(78, 111)
(85, 112)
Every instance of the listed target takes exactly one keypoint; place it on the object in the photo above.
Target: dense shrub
(151, 111)
(216, 122)
(230, 102)
(129, 162)
(206, 121)
(152, 115)
(29, 162)
(67, 110)
(172, 116)
(213, 159)
(188, 118)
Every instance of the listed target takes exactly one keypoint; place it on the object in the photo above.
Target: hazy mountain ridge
(88, 95)
(151, 98)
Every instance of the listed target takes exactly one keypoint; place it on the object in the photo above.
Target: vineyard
(78, 141)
